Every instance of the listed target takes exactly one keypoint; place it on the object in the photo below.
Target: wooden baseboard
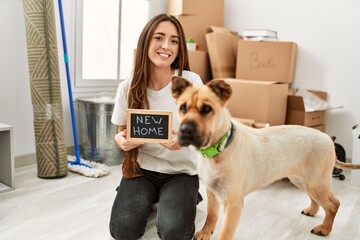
(25, 160)
(29, 159)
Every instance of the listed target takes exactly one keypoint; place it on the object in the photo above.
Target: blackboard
(149, 125)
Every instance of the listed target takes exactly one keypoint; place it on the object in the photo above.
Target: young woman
(154, 172)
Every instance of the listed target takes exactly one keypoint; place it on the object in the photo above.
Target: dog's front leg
(211, 218)
(232, 211)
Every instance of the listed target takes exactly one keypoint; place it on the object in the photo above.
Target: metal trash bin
(96, 132)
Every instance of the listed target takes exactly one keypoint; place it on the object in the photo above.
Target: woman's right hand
(120, 139)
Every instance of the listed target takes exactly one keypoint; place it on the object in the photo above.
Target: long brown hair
(137, 93)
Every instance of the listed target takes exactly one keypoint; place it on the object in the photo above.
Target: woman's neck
(160, 78)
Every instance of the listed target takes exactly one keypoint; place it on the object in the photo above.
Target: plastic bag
(311, 101)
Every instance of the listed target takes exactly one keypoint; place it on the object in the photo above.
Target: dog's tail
(346, 166)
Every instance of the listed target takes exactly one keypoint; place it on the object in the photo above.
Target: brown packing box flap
(197, 7)
(195, 27)
(222, 49)
(296, 111)
(265, 102)
(267, 61)
(199, 63)
(320, 94)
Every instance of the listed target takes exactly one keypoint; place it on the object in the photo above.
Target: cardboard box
(263, 101)
(251, 123)
(222, 49)
(320, 127)
(197, 7)
(267, 61)
(200, 64)
(195, 26)
(296, 114)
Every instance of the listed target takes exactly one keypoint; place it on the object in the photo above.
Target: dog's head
(202, 111)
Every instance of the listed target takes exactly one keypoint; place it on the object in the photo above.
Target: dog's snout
(187, 134)
(187, 130)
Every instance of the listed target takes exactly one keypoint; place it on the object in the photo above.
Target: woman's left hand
(174, 144)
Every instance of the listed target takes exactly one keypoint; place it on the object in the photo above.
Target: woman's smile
(164, 55)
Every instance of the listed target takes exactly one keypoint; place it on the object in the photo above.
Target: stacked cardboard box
(266, 61)
(262, 101)
(195, 16)
(222, 48)
(259, 74)
(199, 63)
(296, 113)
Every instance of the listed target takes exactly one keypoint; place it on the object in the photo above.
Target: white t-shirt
(153, 156)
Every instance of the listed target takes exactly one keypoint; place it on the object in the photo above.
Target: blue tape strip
(66, 58)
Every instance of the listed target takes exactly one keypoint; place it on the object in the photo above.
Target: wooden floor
(76, 208)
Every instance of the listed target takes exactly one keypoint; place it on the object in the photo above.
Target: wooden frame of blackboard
(148, 119)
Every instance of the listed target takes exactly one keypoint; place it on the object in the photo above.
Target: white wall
(326, 32)
(15, 100)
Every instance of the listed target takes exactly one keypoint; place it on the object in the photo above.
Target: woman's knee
(121, 229)
(127, 224)
(174, 231)
(176, 221)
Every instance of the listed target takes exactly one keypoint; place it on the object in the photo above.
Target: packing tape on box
(223, 71)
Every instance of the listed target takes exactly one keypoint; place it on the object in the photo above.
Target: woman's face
(164, 45)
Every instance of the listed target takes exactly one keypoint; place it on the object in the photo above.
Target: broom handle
(66, 59)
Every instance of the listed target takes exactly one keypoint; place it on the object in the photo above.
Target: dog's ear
(221, 89)
(179, 84)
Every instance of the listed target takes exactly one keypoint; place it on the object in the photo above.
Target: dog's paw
(202, 235)
(309, 212)
(321, 230)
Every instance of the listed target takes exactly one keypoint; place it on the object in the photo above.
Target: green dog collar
(219, 146)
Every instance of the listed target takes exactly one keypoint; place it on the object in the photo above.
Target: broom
(76, 164)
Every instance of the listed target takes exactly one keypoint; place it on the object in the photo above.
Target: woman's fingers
(120, 139)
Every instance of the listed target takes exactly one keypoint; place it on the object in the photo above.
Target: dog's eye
(206, 109)
(183, 108)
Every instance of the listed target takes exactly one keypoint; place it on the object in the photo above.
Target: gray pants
(177, 197)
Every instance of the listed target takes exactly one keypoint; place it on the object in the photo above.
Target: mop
(75, 163)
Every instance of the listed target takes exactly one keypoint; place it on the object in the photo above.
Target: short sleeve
(120, 105)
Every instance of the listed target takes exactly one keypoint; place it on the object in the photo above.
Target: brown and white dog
(239, 159)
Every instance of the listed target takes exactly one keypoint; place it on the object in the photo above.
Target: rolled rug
(45, 87)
